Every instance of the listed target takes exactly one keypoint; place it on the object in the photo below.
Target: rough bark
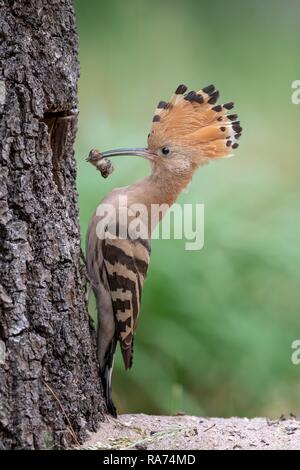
(49, 389)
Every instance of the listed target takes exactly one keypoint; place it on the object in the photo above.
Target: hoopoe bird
(187, 132)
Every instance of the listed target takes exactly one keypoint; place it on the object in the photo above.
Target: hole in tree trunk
(59, 123)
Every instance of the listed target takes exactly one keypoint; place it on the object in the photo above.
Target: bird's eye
(165, 150)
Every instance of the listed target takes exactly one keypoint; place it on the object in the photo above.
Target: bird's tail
(106, 376)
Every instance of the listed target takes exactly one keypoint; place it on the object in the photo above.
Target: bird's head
(188, 131)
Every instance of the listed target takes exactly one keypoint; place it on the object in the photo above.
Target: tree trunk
(49, 387)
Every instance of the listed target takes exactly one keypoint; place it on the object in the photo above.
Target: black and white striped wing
(126, 263)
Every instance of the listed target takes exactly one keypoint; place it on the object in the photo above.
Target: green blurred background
(216, 325)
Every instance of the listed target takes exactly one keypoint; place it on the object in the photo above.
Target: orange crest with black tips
(195, 124)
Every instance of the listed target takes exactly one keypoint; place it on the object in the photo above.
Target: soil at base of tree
(140, 431)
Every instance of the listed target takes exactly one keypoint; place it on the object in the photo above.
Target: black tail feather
(106, 375)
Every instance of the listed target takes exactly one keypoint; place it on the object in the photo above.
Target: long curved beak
(95, 155)
(140, 152)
